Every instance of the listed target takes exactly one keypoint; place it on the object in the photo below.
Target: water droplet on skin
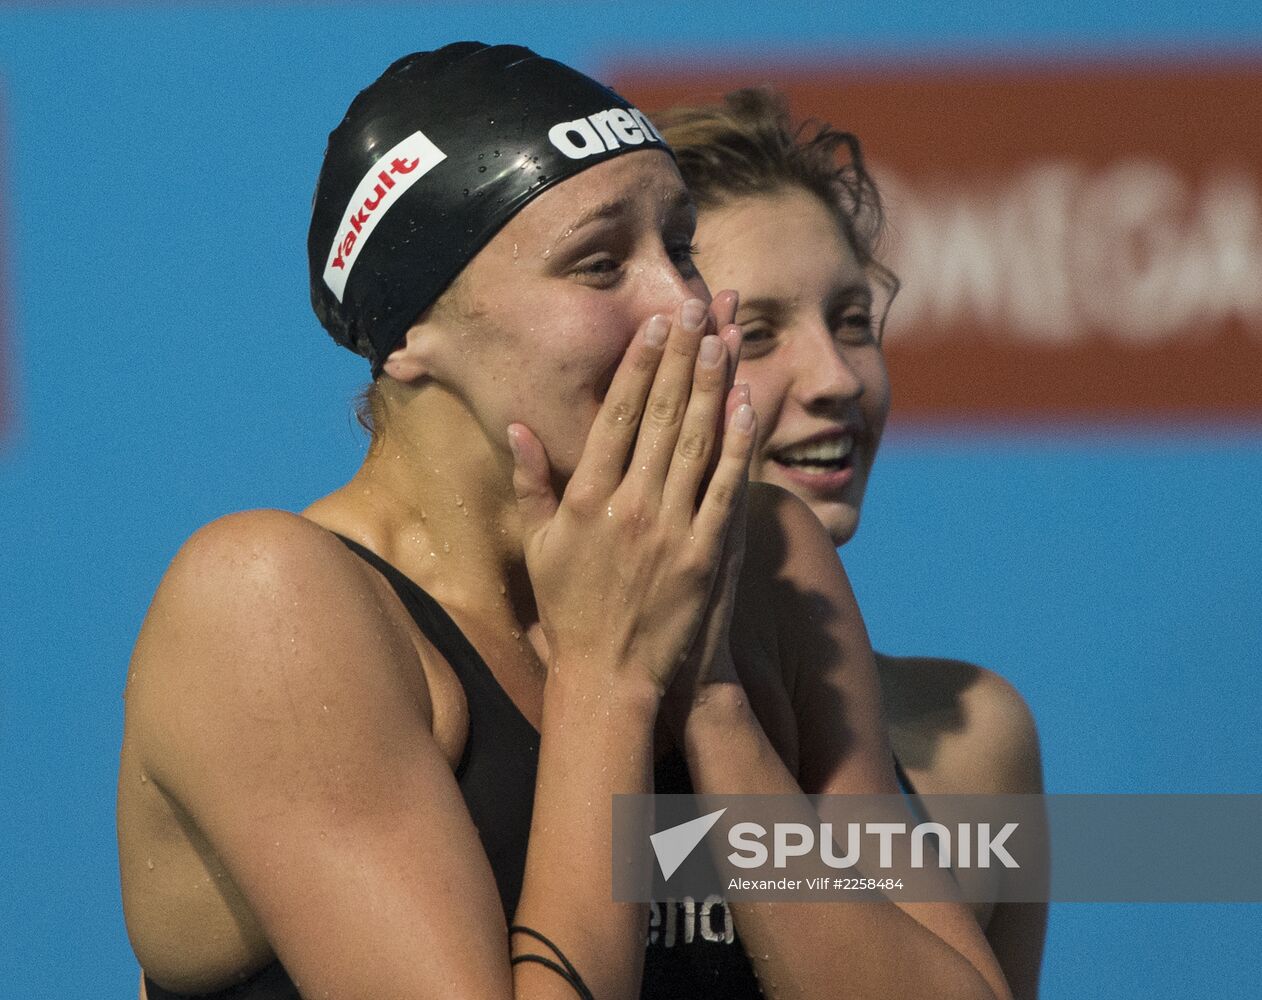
(446, 546)
(459, 501)
(149, 864)
(503, 590)
(144, 778)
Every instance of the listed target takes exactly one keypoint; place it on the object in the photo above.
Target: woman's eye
(682, 254)
(602, 267)
(856, 327)
(757, 340)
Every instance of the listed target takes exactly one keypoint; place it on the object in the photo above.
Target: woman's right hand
(624, 564)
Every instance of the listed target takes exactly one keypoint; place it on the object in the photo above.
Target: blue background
(165, 368)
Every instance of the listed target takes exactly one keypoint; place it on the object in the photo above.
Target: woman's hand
(710, 660)
(625, 565)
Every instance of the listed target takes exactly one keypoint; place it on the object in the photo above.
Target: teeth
(833, 450)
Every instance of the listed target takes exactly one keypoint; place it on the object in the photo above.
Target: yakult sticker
(381, 187)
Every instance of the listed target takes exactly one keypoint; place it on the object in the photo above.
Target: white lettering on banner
(602, 132)
(381, 187)
(1060, 253)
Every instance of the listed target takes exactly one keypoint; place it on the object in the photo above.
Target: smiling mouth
(831, 455)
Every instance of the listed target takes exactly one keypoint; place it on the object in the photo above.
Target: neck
(434, 497)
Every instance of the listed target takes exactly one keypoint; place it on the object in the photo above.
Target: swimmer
(790, 218)
(370, 749)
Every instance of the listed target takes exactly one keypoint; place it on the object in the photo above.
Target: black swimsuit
(692, 952)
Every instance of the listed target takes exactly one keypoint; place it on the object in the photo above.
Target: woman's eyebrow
(680, 203)
(858, 291)
(604, 212)
(598, 213)
(765, 305)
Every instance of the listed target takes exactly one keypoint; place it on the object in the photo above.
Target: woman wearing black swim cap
(358, 738)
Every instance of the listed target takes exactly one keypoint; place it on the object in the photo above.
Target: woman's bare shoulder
(786, 539)
(793, 588)
(253, 544)
(258, 612)
(964, 727)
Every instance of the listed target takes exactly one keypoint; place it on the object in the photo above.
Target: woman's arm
(877, 949)
(639, 527)
(962, 729)
(1003, 740)
(282, 710)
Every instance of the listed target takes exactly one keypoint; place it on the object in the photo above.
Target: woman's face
(546, 310)
(816, 374)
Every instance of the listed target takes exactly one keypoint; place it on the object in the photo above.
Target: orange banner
(1076, 241)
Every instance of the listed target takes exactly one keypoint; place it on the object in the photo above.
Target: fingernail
(656, 331)
(692, 313)
(742, 391)
(743, 418)
(512, 443)
(711, 351)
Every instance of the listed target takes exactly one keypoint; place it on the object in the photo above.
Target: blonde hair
(749, 145)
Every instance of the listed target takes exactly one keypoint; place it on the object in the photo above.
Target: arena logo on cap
(602, 132)
(381, 187)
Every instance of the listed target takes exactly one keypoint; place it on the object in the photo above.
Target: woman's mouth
(822, 465)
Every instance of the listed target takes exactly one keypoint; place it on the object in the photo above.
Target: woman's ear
(406, 363)
(414, 356)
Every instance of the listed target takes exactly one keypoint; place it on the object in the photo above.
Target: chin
(840, 519)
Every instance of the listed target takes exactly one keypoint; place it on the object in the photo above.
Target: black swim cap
(431, 160)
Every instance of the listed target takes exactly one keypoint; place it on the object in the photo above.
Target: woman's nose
(823, 376)
(669, 287)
